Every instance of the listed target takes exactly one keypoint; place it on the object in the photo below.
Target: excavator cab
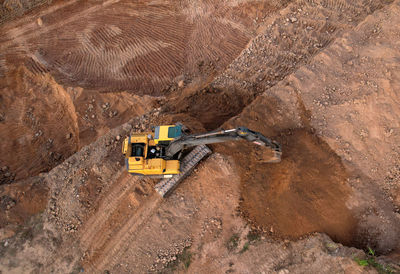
(163, 135)
(145, 152)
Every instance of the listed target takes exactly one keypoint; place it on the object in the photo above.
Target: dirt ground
(319, 77)
(306, 192)
(351, 113)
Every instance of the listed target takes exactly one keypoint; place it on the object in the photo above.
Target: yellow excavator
(159, 153)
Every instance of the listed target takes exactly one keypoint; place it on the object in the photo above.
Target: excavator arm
(240, 133)
(158, 153)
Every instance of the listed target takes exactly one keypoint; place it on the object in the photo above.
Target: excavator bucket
(276, 151)
(276, 157)
(191, 160)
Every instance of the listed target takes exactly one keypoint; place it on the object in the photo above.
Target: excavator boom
(237, 134)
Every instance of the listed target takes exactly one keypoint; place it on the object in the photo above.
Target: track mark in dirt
(31, 29)
(120, 240)
(137, 46)
(125, 209)
(306, 192)
(109, 203)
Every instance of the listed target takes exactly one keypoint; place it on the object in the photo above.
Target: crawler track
(187, 165)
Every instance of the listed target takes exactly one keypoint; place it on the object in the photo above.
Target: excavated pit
(65, 85)
(43, 123)
(94, 70)
(306, 192)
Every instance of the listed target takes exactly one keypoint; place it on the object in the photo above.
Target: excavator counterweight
(158, 153)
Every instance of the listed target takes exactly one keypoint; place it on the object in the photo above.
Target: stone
(283, 271)
(332, 247)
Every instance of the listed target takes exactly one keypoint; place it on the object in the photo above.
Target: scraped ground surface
(320, 77)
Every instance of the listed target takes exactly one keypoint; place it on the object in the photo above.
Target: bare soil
(306, 192)
(349, 112)
(320, 77)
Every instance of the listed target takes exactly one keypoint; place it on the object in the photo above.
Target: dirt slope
(124, 225)
(306, 192)
(129, 48)
(288, 39)
(140, 46)
(11, 9)
(37, 114)
(350, 113)
(43, 123)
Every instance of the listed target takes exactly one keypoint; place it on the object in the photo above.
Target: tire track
(31, 30)
(121, 240)
(94, 49)
(107, 207)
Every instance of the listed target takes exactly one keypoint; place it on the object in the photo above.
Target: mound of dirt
(304, 193)
(345, 119)
(21, 201)
(37, 115)
(43, 123)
